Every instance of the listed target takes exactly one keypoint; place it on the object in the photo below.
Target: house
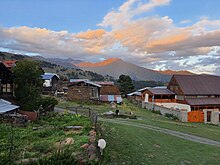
(158, 95)
(83, 89)
(50, 82)
(110, 93)
(10, 63)
(6, 82)
(199, 91)
(7, 107)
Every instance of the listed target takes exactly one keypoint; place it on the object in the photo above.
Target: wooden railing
(163, 100)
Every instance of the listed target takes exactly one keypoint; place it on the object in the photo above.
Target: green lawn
(135, 146)
(199, 129)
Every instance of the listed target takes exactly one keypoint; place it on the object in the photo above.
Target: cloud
(185, 21)
(152, 41)
(125, 13)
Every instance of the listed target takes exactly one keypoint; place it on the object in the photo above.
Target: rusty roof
(160, 91)
(199, 84)
(203, 101)
(109, 90)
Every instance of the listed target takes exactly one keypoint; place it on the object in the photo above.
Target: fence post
(76, 111)
(89, 112)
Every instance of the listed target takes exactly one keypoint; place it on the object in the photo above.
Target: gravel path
(166, 131)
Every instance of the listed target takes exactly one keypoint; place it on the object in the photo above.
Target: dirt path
(166, 131)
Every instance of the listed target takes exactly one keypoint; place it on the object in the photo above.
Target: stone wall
(181, 114)
(82, 93)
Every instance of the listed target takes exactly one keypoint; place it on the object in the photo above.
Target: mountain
(115, 67)
(68, 63)
(63, 71)
(172, 72)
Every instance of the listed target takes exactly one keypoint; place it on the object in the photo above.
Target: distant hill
(172, 72)
(65, 72)
(68, 63)
(115, 67)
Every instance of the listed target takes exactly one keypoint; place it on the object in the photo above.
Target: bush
(171, 116)
(48, 103)
(157, 112)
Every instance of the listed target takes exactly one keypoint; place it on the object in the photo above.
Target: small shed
(110, 93)
(50, 81)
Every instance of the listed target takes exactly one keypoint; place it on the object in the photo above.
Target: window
(6, 88)
(180, 97)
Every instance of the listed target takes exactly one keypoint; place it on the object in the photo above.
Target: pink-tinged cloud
(152, 40)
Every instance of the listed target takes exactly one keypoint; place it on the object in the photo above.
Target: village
(179, 106)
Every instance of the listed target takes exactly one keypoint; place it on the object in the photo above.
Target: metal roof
(134, 93)
(199, 84)
(203, 101)
(142, 89)
(79, 80)
(6, 106)
(48, 76)
(86, 81)
(161, 91)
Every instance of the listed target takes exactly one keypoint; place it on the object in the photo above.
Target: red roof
(9, 63)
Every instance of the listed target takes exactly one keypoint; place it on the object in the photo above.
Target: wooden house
(158, 95)
(83, 90)
(6, 81)
(199, 91)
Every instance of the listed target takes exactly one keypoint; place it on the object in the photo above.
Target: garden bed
(41, 140)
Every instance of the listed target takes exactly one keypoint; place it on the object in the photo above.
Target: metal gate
(196, 116)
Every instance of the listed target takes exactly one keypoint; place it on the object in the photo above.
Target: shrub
(171, 116)
(48, 103)
(157, 112)
(42, 147)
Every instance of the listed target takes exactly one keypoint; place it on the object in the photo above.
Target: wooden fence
(85, 111)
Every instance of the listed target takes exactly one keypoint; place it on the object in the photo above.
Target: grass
(129, 145)
(29, 143)
(199, 129)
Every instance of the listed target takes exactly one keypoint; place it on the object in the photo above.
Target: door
(196, 116)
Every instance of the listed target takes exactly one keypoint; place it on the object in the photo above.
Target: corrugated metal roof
(86, 81)
(94, 84)
(161, 91)
(6, 106)
(48, 76)
(79, 80)
(134, 93)
(105, 82)
(143, 89)
(203, 101)
(199, 84)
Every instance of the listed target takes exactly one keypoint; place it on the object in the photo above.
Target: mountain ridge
(115, 67)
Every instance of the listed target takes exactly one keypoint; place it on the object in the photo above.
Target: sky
(156, 34)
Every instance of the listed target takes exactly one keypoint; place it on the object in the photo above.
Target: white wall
(146, 98)
(175, 106)
(47, 83)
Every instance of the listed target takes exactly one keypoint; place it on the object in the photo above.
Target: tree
(125, 84)
(27, 78)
